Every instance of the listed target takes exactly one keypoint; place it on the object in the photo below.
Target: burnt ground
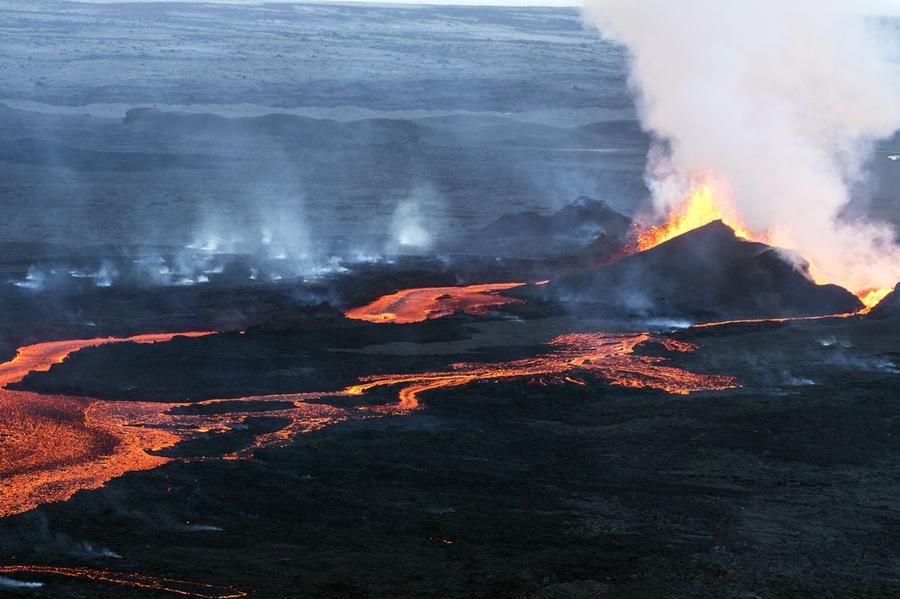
(785, 488)
(71, 308)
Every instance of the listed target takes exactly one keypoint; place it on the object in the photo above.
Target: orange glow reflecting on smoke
(701, 207)
(871, 297)
(708, 200)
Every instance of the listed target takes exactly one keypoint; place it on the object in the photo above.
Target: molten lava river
(55, 445)
(52, 446)
(416, 305)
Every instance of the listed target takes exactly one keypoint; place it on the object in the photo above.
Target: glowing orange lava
(139, 581)
(719, 323)
(871, 297)
(699, 209)
(54, 446)
(607, 356)
(702, 207)
(416, 305)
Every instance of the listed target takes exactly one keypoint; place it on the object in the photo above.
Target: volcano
(707, 271)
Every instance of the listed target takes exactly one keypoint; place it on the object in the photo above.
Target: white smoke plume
(408, 226)
(415, 219)
(9, 583)
(780, 100)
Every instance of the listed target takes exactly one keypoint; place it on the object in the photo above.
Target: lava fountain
(871, 297)
(701, 207)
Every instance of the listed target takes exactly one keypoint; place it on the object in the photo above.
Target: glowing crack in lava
(773, 320)
(139, 581)
(416, 305)
(572, 358)
(869, 299)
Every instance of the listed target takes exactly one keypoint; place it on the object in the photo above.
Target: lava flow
(127, 579)
(607, 356)
(55, 446)
(52, 446)
(777, 319)
(869, 300)
(416, 305)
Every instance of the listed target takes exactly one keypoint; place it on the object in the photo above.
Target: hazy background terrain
(489, 109)
(312, 128)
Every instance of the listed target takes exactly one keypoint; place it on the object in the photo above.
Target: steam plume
(781, 103)
(415, 218)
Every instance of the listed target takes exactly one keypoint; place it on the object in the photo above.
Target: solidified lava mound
(889, 306)
(707, 271)
(564, 231)
(583, 213)
(603, 250)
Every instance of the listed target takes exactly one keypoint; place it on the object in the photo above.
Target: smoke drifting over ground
(414, 219)
(781, 103)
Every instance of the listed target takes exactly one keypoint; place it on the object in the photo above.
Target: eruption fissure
(783, 103)
(133, 580)
(699, 209)
(871, 297)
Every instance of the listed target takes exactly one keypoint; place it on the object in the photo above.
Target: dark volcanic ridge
(706, 272)
(566, 231)
(494, 131)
